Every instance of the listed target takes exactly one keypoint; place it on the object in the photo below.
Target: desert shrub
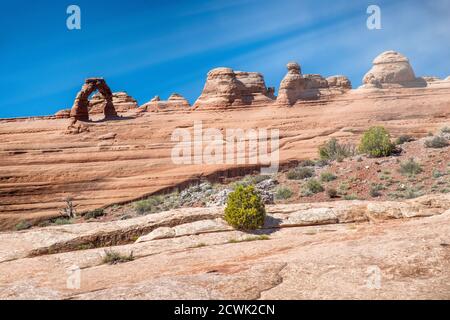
(351, 197)
(403, 139)
(436, 142)
(62, 221)
(94, 214)
(375, 190)
(314, 186)
(245, 210)
(437, 174)
(376, 142)
(149, 205)
(23, 225)
(259, 178)
(332, 193)
(327, 177)
(283, 193)
(322, 162)
(344, 187)
(114, 257)
(333, 150)
(300, 173)
(412, 193)
(307, 163)
(445, 129)
(410, 168)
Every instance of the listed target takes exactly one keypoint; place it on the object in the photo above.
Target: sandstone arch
(80, 109)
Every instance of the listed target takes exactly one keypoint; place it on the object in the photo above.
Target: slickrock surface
(40, 164)
(225, 87)
(309, 251)
(121, 100)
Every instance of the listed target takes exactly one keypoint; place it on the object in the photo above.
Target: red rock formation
(296, 86)
(174, 103)
(292, 85)
(390, 69)
(121, 100)
(225, 87)
(80, 109)
(63, 114)
(339, 82)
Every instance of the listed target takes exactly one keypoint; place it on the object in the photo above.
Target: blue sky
(150, 48)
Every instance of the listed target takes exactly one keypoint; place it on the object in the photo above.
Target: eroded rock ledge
(194, 221)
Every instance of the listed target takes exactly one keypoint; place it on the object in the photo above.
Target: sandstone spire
(292, 85)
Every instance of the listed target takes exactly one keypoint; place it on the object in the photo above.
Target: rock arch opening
(80, 109)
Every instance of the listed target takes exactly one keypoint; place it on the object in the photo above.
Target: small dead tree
(69, 210)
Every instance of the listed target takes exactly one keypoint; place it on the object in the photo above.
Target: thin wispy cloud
(149, 48)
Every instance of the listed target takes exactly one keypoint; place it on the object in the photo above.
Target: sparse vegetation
(403, 139)
(94, 214)
(245, 209)
(150, 205)
(23, 225)
(436, 142)
(283, 193)
(114, 257)
(314, 186)
(327, 177)
(300, 173)
(376, 142)
(410, 168)
(307, 163)
(332, 193)
(343, 187)
(375, 189)
(351, 197)
(200, 245)
(437, 174)
(445, 129)
(62, 221)
(407, 193)
(249, 239)
(259, 178)
(333, 150)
